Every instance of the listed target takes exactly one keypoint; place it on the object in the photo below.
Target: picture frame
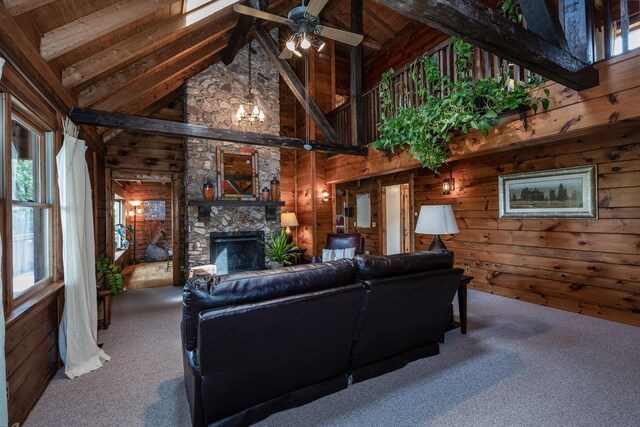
(556, 193)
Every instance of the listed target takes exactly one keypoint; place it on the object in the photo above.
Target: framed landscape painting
(557, 193)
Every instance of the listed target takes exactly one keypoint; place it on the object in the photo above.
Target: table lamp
(288, 219)
(437, 219)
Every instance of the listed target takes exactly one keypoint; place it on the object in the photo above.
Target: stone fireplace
(212, 98)
(237, 251)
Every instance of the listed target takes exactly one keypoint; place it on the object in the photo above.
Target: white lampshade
(288, 219)
(436, 219)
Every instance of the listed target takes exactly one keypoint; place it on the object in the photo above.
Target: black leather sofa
(259, 342)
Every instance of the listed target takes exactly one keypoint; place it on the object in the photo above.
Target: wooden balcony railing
(616, 30)
(405, 91)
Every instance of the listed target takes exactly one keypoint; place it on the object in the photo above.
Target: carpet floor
(520, 364)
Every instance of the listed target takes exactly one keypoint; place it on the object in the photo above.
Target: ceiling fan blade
(245, 10)
(352, 39)
(286, 54)
(315, 7)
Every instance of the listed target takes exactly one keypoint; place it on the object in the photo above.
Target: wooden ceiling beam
(187, 130)
(242, 30)
(64, 39)
(18, 7)
(143, 44)
(139, 70)
(294, 83)
(162, 74)
(476, 23)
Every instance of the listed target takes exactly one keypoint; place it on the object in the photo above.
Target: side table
(462, 306)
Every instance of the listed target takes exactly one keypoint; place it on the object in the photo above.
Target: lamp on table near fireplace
(437, 220)
(288, 220)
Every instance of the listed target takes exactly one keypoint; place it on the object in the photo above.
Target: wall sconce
(449, 184)
(325, 196)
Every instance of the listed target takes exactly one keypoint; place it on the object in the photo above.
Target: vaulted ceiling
(129, 55)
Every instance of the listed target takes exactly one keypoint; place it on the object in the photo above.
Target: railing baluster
(609, 37)
(624, 24)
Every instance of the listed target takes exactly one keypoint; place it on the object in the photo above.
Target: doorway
(396, 219)
(142, 231)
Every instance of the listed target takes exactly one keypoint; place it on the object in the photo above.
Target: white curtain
(4, 412)
(79, 328)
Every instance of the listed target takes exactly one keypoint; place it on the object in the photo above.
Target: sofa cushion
(207, 292)
(377, 266)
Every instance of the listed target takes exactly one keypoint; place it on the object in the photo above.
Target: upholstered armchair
(343, 241)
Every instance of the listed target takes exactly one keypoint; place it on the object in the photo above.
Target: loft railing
(616, 30)
(405, 90)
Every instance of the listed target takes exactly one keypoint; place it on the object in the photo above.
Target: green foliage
(278, 250)
(24, 180)
(511, 10)
(112, 275)
(450, 106)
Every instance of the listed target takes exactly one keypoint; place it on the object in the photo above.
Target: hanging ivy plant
(450, 106)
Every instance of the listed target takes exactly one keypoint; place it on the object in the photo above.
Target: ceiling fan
(305, 22)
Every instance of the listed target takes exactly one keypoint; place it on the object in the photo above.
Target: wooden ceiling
(126, 55)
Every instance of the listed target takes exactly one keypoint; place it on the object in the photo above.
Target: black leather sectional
(259, 342)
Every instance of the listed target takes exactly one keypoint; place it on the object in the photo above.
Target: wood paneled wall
(580, 265)
(149, 191)
(153, 153)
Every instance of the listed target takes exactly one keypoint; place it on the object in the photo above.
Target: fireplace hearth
(237, 251)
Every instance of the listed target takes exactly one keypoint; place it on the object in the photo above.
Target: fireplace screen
(237, 251)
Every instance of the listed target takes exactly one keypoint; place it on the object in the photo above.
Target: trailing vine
(449, 106)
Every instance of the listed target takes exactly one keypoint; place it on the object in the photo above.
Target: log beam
(241, 31)
(476, 23)
(187, 130)
(88, 28)
(296, 86)
(17, 7)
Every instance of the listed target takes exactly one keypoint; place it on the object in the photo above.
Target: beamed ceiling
(129, 56)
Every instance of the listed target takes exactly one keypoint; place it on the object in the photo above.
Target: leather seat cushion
(378, 266)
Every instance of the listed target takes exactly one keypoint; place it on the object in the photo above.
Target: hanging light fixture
(253, 112)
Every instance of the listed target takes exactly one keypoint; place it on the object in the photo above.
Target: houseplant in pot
(278, 250)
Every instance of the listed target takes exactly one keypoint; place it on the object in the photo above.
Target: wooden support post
(294, 83)
(578, 28)
(542, 20)
(357, 119)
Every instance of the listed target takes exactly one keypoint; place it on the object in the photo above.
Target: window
(31, 166)
(119, 223)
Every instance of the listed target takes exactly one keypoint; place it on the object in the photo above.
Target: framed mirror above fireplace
(237, 173)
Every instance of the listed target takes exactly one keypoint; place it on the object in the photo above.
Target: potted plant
(278, 250)
(112, 275)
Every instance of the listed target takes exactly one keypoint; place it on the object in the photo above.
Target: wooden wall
(149, 191)
(157, 153)
(586, 266)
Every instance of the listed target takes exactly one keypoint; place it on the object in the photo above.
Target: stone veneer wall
(212, 98)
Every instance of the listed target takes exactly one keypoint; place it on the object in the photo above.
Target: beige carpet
(147, 275)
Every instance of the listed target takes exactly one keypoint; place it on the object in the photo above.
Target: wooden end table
(462, 306)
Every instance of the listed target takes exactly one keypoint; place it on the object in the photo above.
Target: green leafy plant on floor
(278, 249)
(112, 275)
(450, 105)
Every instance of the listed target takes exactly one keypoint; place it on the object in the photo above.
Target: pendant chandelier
(252, 113)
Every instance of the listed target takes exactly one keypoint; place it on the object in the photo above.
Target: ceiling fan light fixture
(305, 43)
(318, 44)
(292, 42)
(297, 53)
